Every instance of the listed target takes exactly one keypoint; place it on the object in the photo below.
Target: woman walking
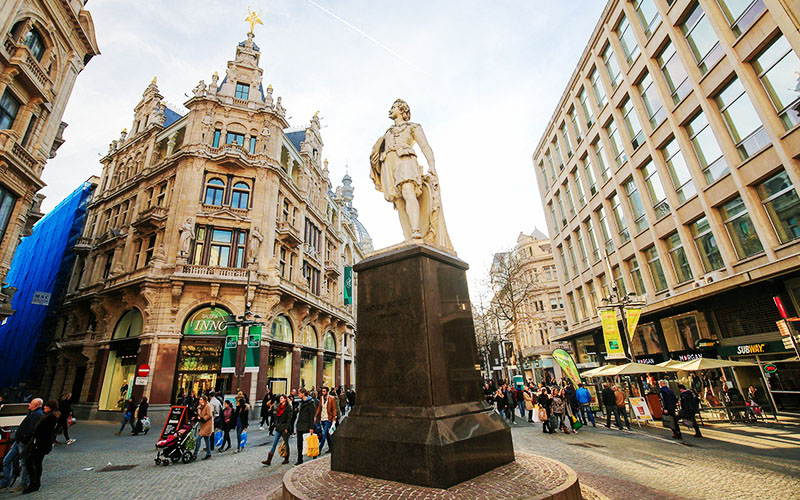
(242, 416)
(544, 402)
(282, 420)
(141, 414)
(557, 409)
(65, 412)
(228, 421)
(529, 398)
(40, 445)
(127, 415)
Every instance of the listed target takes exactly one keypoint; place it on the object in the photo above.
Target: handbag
(283, 451)
(146, 423)
(313, 445)
(218, 439)
(243, 439)
(668, 421)
(576, 424)
(542, 413)
(70, 421)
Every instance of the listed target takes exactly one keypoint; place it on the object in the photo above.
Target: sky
(482, 78)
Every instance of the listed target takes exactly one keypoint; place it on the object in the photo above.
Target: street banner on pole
(632, 315)
(229, 351)
(613, 340)
(567, 364)
(253, 349)
(348, 285)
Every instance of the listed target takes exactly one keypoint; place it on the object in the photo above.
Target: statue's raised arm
(396, 172)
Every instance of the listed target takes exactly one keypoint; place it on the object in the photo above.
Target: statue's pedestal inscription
(420, 417)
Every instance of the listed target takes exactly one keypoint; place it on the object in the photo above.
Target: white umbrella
(636, 369)
(669, 362)
(596, 372)
(709, 364)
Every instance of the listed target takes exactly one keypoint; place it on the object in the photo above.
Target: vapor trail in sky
(368, 36)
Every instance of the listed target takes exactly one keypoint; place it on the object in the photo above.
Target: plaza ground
(731, 462)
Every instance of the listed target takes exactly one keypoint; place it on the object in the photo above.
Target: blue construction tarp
(42, 263)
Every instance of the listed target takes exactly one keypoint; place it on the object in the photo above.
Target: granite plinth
(420, 418)
(529, 477)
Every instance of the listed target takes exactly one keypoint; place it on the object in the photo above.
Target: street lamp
(243, 323)
(622, 303)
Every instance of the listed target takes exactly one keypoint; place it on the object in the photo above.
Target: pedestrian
(282, 421)
(342, 405)
(22, 439)
(557, 408)
(351, 399)
(689, 408)
(206, 420)
(511, 404)
(500, 401)
(528, 396)
(141, 414)
(325, 416)
(584, 398)
(571, 399)
(216, 413)
(610, 405)
(127, 415)
(305, 420)
(622, 409)
(227, 423)
(669, 404)
(40, 445)
(242, 417)
(544, 403)
(266, 410)
(519, 395)
(65, 413)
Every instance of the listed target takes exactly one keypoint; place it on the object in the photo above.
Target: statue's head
(404, 109)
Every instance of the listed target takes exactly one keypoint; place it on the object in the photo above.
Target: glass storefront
(586, 352)
(329, 360)
(279, 371)
(683, 332)
(121, 365)
(308, 370)
(200, 353)
(645, 341)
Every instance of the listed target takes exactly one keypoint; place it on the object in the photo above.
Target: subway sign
(751, 349)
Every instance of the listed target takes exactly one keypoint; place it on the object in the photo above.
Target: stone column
(163, 370)
(98, 371)
(338, 378)
(320, 369)
(294, 383)
(263, 370)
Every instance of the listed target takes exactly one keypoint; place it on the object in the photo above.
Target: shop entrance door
(278, 385)
(199, 368)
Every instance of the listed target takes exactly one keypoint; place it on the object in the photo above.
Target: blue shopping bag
(243, 440)
(218, 439)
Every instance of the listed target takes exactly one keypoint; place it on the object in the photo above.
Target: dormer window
(215, 189)
(242, 91)
(34, 42)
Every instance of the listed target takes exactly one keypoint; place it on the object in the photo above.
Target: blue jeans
(127, 418)
(239, 430)
(326, 427)
(521, 406)
(8, 466)
(200, 439)
(585, 409)
(278, 438)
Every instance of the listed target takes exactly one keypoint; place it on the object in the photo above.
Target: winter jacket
(557, 405)
(668, 400)
(305, 415)
(688, 403)
(620, 398)
(25, 430)
(43, 435)
(583, 395)
(283, 422)
(206, 420)
(528, 401)
(609, 398)
(331, 407)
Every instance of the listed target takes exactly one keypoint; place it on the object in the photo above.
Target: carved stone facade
(45, 44)
(216, 210)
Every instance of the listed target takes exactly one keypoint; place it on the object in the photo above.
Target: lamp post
(622, 303)
(243, 324)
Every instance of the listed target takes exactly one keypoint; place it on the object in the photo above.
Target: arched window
(215, 190)
(35, 42)
(310, 337)
(330, 342)
(129, 325)
(282, 329)
(241, 196)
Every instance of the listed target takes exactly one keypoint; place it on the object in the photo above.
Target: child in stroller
(178, 445)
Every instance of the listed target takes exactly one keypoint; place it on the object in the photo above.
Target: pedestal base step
(529, 477)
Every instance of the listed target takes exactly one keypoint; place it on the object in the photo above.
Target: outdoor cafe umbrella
(669, 362)
(708, 364)
(596, 372)
(635, 369)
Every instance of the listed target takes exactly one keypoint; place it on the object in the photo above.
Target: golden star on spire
(253, 19)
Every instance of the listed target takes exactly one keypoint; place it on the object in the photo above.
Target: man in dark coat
(610, 404)
(669, 405)
(689, 408)
(305, 421)
(22, 438)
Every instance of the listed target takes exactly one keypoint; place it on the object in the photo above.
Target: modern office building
(46, 43)
(670, 169)
(205, 215)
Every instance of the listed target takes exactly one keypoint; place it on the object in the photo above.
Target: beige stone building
(46, 43)
(216, 210)
(528, 306)
(674, 150)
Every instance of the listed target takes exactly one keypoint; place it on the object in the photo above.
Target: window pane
(702, 39)
(706, 148)
(597, 87)
(9, 106)
(651, 101)
(627, 40)
(740, 228)
(648, 15)
(619, 218)
(679, 171)
(678, 257)
(656, 272)
(782, 204)
(706, 245)
(674, 73)
(616, 143)
(738, 111)
(637, 208)
(611, 65)
(221, 236)
(776, 67)
(655, 189)
(632, 124)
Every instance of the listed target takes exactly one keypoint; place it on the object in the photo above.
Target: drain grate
(109, 468)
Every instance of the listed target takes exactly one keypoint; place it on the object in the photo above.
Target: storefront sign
(348, 285)
(608, 318)
(229, 352)
(749, 349)
(140, 381)
(770, 368)
(632, 315)
(41, 298)
(690, 356)
(705, 344)
(206, 321)
(253, 349)
(640, 409)
(646, 361)
(567, 364)
(176, 416)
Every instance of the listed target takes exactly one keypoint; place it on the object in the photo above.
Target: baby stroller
(177, 446)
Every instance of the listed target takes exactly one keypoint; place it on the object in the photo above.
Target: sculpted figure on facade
(255, 243)
(397, 174)
(268, 97)
(279, 108)
(200, 90)
(187, 235)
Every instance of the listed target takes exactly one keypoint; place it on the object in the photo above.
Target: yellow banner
(613, 340)
(633, 315)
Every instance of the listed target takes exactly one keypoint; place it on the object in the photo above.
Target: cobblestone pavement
(731, 462)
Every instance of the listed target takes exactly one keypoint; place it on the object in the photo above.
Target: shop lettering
(207, 325)
(751, 349)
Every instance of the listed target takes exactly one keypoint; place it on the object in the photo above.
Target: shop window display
(282, 329)
(118, 382)
(645, 340)
(308, 370)
(279, 371)
(199, 368)
(682, 332)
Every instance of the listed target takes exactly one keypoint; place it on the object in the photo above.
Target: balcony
(151, 219)
(211, 272)
(13, 152)
(110, 236)
(288, 234)
(82, 246)
(332, 269)
(33, 76)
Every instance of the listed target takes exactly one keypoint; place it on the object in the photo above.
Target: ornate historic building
(203, 215)
(46, 43)
(670, 170)
(528, 304)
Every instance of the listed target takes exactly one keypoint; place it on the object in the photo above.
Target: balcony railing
(212, 272)
(153, 217)
(83, 245)
(288, 234)
(10, 148)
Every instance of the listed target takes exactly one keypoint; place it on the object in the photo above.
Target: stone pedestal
(420, 417)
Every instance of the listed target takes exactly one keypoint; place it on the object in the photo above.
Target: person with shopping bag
(325, 416)
(305, 420)
(544, 410)
(282, 420)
